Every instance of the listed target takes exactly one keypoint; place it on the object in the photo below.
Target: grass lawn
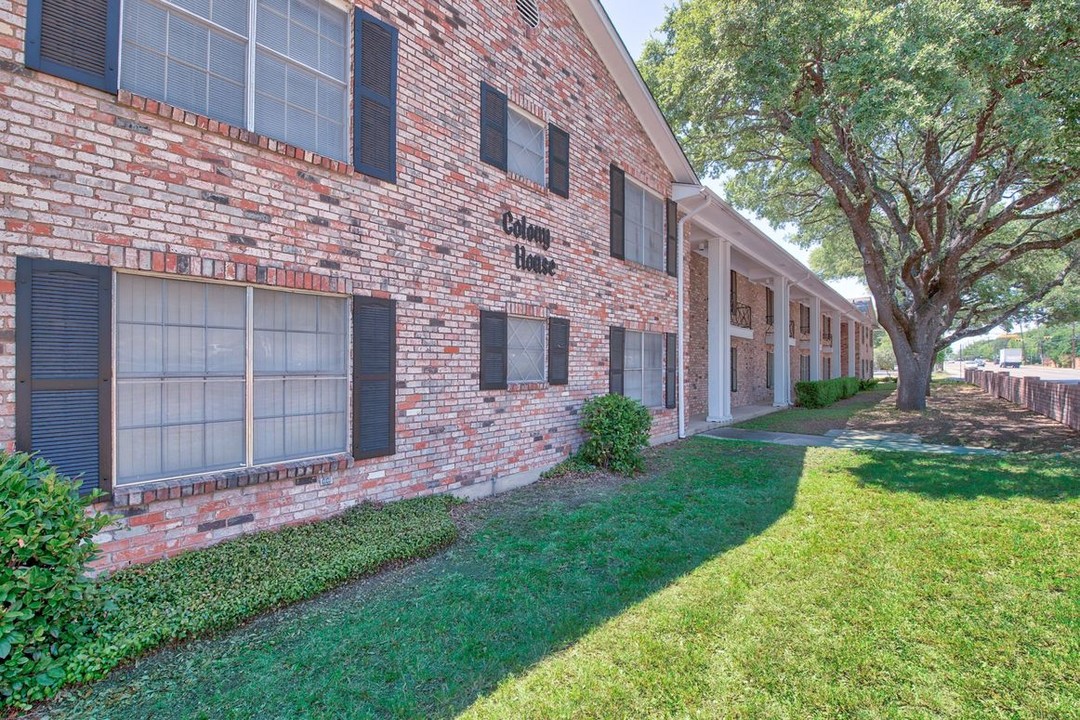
(735, 580)
(812, 421)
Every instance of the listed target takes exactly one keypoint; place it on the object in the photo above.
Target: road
(1045, 373)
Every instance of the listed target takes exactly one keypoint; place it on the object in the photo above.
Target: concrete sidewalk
(850, 440)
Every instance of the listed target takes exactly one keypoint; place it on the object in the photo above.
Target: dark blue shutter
(63, 367)
(558, 351)
(616, 359)
(558, 161)
(618, 213)
(671, 365)
(375, 97)
(493, 120)
(672, 238)
(492, 350)
(374, 377)
(75, 39)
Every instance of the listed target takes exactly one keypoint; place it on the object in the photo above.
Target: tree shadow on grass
(969, 477)
(534, 571)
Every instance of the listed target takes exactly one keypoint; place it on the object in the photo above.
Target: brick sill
(301, 472)
(249, 137)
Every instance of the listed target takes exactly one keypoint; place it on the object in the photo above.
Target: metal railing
(826, 339)
(741, 315)
(769, 319)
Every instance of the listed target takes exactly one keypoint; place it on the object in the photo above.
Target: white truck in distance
(1010, 357)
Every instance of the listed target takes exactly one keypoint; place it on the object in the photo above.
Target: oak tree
(929, 146)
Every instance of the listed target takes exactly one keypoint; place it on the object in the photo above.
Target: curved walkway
(850, 440)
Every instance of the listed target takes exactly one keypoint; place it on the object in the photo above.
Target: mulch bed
(961, 414)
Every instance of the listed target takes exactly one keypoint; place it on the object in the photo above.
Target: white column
(852, 329)
(815, 338)
(837, 371)
(781, 349)
(719, 331)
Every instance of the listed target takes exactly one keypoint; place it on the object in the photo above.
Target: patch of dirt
(961, 414)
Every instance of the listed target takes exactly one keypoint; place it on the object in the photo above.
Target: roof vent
(530, 12)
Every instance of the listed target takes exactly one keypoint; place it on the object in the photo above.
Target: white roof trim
(609, 46)
(719, 219)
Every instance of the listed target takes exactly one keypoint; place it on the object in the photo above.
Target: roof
(717, 218)
(609, 46)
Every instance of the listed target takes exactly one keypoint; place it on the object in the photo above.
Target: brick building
(265, 259)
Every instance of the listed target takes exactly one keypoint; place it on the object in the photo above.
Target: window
(292, 85)
(185, 375)
(643, 368)
(644, 227)
(512, 140)
(804, 319)
(827, 370)
(525, 146)
(770, 369)
(512, 350)
(734, 369)
(525, 350)
(770, 304)
(804, 367)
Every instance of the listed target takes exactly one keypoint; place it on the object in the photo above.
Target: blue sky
(635, 20)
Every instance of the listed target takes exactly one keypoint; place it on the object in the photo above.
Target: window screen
(644, 222)
(643, 368)
(525, 146)
(299, 369)
(180, 377)
(525, 345)
(195, 54)
(182, 363)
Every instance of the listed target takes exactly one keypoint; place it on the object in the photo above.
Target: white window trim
(249, 378)
(251, 47)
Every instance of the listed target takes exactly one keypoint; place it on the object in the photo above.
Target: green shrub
(868, 384)
(617, 429)
(48, 607)
(821, 393)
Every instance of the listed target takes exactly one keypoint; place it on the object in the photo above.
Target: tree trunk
(914, 366)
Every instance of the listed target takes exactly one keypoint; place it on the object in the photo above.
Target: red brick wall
(89, 177)
(1057, 401)
(697, 341)
(752, 390)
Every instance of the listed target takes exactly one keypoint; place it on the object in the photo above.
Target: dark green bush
(48, 607)
(617, 429)
(209, 589)
(821, 393)
(868, 384)
(221, 586)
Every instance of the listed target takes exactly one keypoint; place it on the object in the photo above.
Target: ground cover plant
(224, 585)
(729, 580)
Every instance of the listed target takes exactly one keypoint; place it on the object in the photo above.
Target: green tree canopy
(929, 146)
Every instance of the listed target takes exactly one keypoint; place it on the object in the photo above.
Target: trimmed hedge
(821, 393)
(222, 586)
